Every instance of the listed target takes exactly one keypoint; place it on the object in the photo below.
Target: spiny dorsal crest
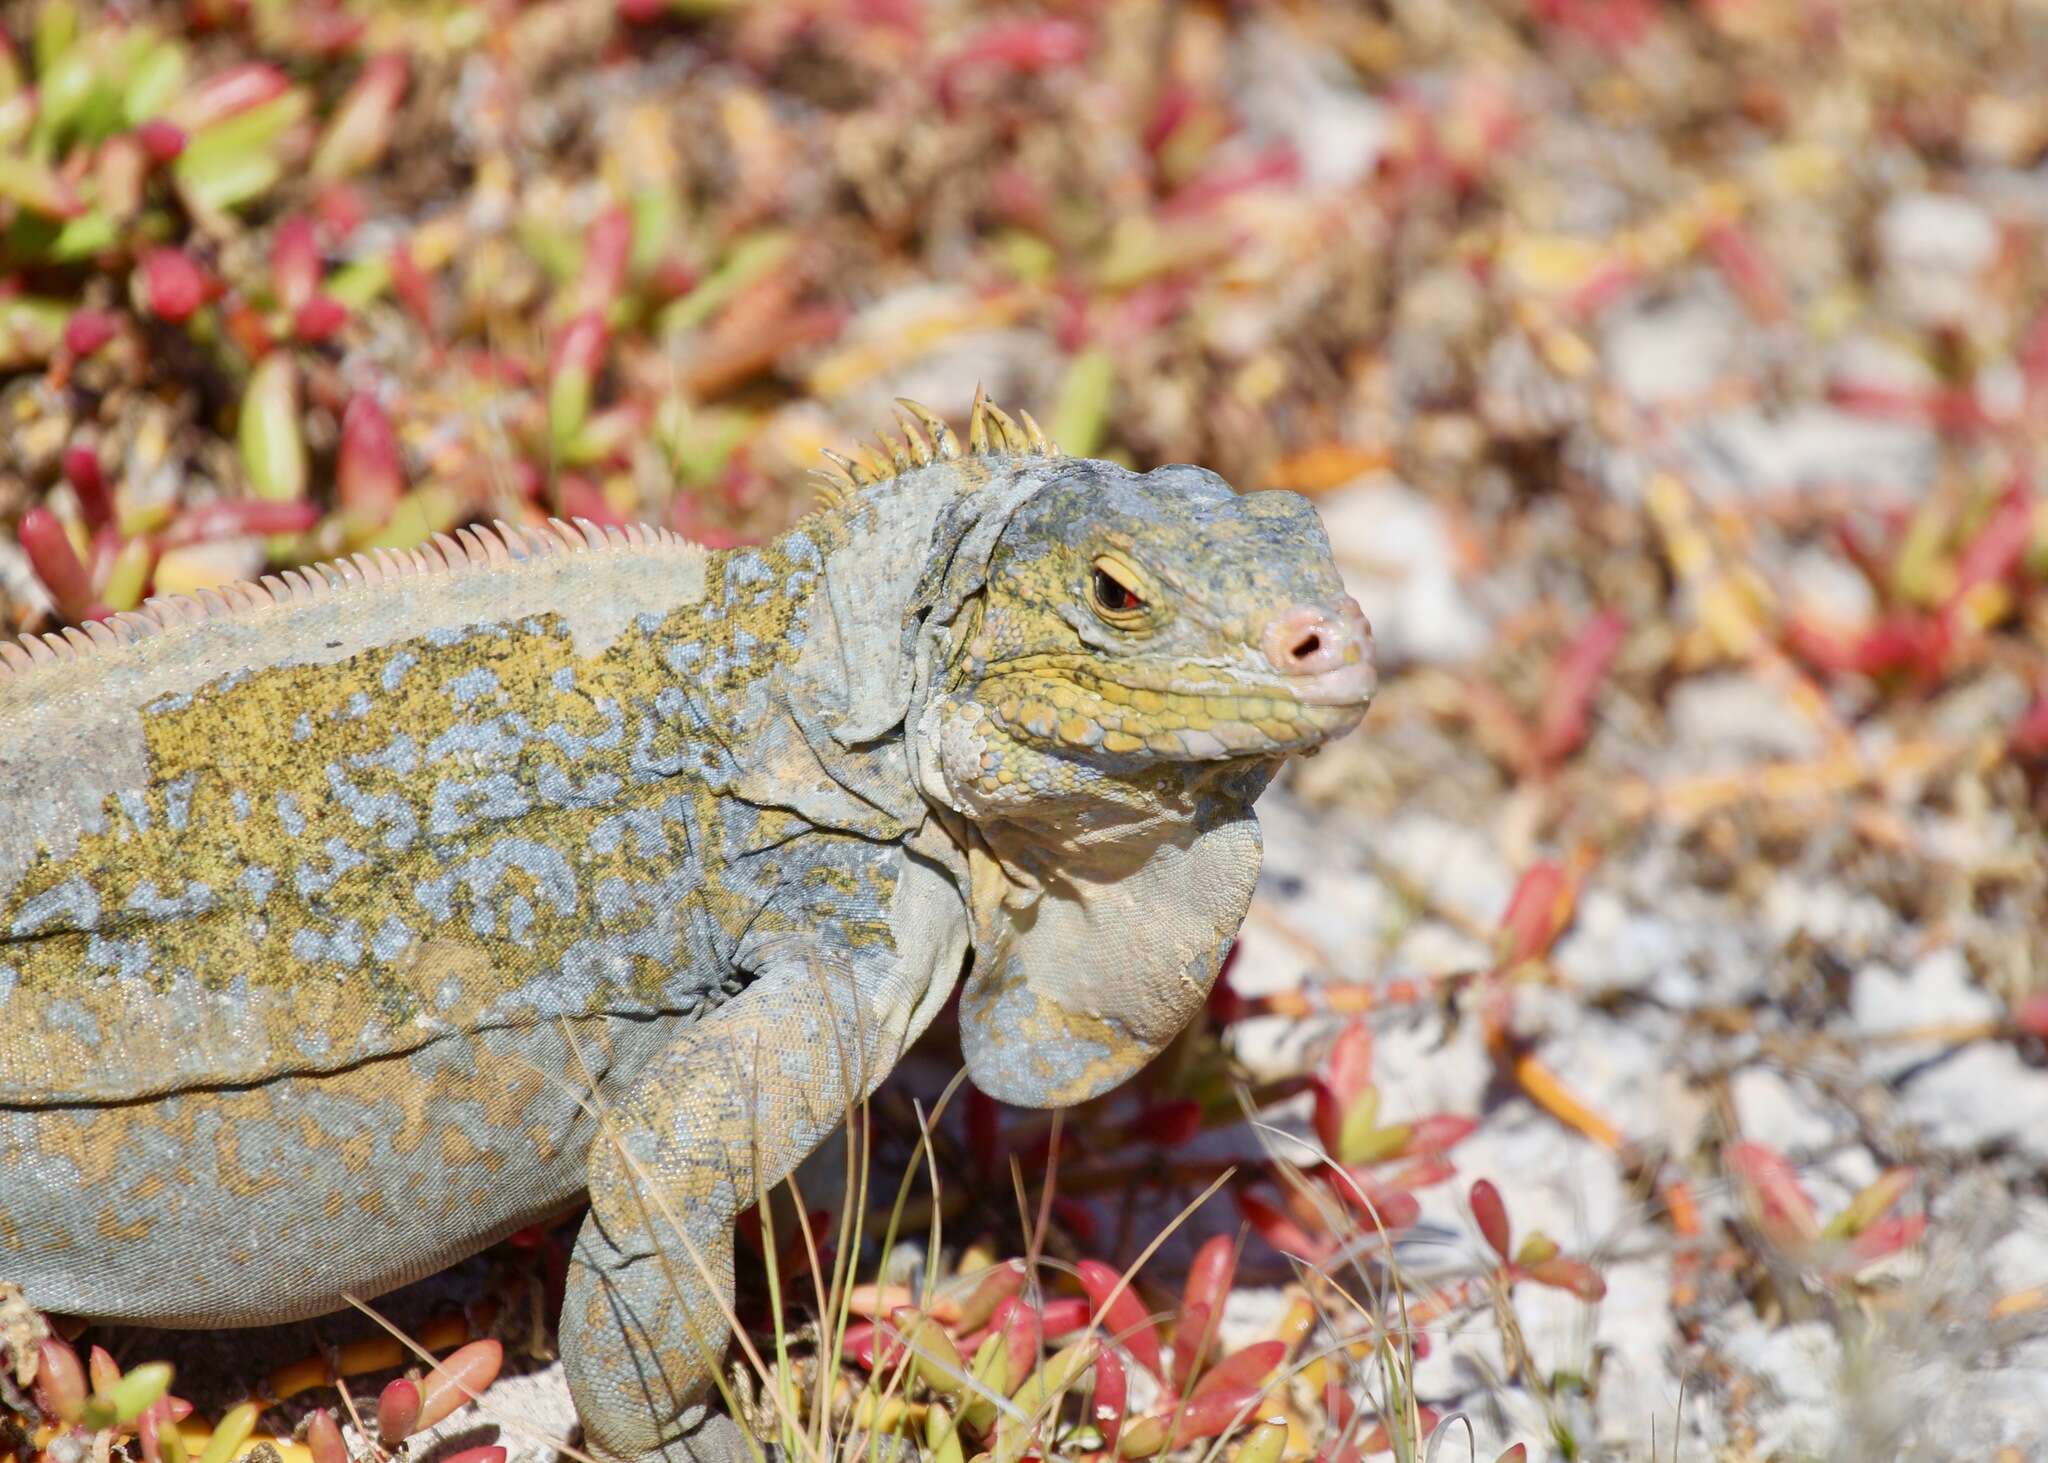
(990, 433)
(465, 551)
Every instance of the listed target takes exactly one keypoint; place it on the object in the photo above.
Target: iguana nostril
(1326, 654)
(1304, 640)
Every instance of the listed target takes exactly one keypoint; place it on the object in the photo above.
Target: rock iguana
(333, 908)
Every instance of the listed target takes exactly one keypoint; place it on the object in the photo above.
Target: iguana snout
(1325, 655)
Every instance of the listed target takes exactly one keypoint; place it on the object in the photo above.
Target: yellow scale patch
(275, 738)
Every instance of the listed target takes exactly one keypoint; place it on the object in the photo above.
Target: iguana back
(353, 809)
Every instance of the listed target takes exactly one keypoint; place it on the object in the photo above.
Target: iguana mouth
(1177, 712)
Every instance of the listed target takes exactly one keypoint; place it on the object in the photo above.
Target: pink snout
(1326, 657)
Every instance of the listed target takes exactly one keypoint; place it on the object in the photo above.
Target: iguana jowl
(328, 904)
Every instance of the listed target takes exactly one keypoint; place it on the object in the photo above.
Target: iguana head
(1108, 667)
(1135, 621)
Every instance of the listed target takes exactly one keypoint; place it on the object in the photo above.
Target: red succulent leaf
(1562, 1272)
(320, 318)
(1329, 1117)
(295, 264)
(581, 346)
(323, 1437)
(82, 471)
(606, 252)
(1273, 1225)
(398, 1410)
(1786, 1210)
(340, 209)
(1887, 1236)
(359, 130)
(51, 555)
(155, 1416)
(369, 472)
(1210, 1275)
(1564, 718)
(1381, 1206)
(858, 1343)
(1063, 1317)
(467, 1370)
(1901, 643)
(1537, 913)
(1492, 1217)
(1212, 1412)
(1112, 1395)
(1175, 103)
(1253, 1366)
(229, 92)
(1346, 1080)
(1194, 1335)
(1120, 1316)
(241, 517)
(60, 1386)
(1000, 1283)
(1421, 1173)
(162, 140)
(1337, 1403)
(173, 284)
(87, 330)
(1952, 409)
(1438, 1133)
(1022, 1331)
(1377, 1203)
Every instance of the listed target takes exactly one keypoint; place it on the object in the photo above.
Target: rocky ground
(1672, 380)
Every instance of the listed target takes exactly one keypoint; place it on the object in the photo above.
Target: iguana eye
(1115, 599)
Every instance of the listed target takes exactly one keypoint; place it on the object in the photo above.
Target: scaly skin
(347, 927)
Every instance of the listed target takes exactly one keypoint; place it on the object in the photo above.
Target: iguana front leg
(727, 1112)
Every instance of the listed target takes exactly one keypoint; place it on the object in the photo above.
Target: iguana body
(333, 914)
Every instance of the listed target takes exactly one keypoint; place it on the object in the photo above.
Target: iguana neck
(1043, 816)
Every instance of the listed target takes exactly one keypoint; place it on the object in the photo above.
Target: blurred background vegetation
(1673, 377)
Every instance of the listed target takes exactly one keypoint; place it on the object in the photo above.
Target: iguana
(339, 911)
